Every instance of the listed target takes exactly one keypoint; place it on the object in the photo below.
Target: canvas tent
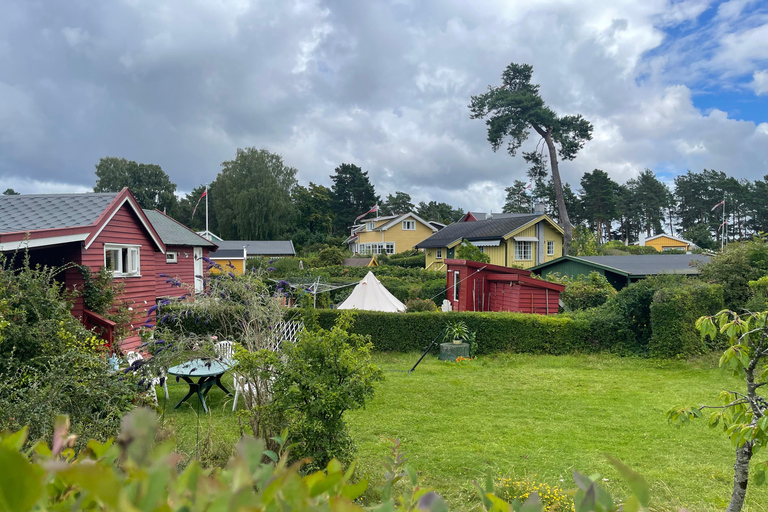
(370, 295)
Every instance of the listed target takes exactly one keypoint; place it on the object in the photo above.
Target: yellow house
(664, 242)
(233, 254)
(514, 240)
(389, 235)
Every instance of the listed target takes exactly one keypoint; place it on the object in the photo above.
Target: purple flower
(165, 302)
(207, 260)
(271, 269)
(231, 275)
(164, 275)
(165, 317)
(152, 309)
(230, 265)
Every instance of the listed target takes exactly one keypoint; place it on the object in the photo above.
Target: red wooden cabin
(475, 286)
(93, 230)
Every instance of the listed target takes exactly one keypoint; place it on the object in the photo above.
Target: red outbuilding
(475, 286)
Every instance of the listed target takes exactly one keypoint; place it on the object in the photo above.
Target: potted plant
(457, 331)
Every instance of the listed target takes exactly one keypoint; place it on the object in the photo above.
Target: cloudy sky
(668, 85)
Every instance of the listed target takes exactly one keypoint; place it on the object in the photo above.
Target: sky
(668, 85)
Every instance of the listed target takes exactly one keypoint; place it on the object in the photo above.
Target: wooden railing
(103, 327)
(436, 266)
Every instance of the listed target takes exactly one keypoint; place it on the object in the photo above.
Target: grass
(523, 416)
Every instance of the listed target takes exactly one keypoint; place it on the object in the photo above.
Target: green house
(623, 270)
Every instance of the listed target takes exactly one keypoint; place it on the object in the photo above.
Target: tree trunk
(565, 222)
(740, 477)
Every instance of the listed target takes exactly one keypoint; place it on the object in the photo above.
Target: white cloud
(760, 82)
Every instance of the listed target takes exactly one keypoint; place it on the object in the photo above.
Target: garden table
(208, 371)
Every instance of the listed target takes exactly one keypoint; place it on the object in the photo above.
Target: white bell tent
(370, 295)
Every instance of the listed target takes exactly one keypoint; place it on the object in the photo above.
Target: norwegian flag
(721, 203)
(205, 193)
(374, 209)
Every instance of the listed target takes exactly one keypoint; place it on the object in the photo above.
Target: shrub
(417, 261)
(584, 292)
(320, 377)
(735, 267)
(434, 290)
(420, 305)
(467, 251)
(331, 256)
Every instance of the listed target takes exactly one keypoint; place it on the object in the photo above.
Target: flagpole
(722, 239)
(206, 210)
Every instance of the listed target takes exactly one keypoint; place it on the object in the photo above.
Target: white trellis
(285, 331)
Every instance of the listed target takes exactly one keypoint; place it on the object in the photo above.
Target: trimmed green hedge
(674, 312)
(516, 332)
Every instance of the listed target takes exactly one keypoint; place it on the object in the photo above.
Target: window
(122, 260)
(390, 247)
(439, 253)
(171, 257)
(370, 226)
(456, 283)
(482, 249)
(550, 248)
(523, 251)
(409, 225)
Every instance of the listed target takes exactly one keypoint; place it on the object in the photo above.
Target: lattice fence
(285, 331)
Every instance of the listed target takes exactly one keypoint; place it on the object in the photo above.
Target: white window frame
(171, 257)
(550, 248)
(389, 247)
(127, 259)
(409, 225)
(520, 250)
(456, 283)
(370, 226)
(439, 253)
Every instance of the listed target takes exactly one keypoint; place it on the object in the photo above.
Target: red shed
(475, 286)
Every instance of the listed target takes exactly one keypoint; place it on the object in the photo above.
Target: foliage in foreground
(743, 415)
(135, 473)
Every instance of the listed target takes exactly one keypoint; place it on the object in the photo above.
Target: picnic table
(208, 372)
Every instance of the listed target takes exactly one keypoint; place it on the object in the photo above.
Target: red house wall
(183, 270)
(141, 291)
(486, 287)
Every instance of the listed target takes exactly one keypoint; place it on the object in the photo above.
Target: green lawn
(539, 417)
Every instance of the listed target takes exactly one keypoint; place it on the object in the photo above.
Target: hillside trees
(513, 109)
(440, 212)
(149, 183)
(253, 196)
(398, 204)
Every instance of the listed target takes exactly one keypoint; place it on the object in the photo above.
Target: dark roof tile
(30, 212)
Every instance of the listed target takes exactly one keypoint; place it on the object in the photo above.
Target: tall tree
(398, 204)
(252, 196)
(149, 183)
(10, 192)
(314, 208)
(598, 198)
(515, 107)
(353, 195)
(440, 212)
(517, 199)
(653, 198)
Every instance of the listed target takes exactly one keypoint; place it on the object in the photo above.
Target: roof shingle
(174, 233)
(31, 212)
(477, 230)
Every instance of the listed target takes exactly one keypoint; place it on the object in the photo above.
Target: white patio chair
(225, 351)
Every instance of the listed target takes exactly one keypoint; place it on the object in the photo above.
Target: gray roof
(650, 264)
(173, 232)
(255, 248)
(477, 230)
(30, 212)
(481, 215)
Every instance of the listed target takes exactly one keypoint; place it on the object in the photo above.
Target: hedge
(515, 332)
(674, 312)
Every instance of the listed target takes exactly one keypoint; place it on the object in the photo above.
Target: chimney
(538, 208)
(488, 216)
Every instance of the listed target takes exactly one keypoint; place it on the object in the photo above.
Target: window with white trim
(370, 226)
(456, 282)
(523, 251)
(550, 248)
(439, 253)
(122, 260)
(389, 247)
(409, 225)
(171, 257)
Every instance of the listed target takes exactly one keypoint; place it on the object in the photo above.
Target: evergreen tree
(398, 204)
(352, 195)
(598, 199)
(517, 199)
(440, 212)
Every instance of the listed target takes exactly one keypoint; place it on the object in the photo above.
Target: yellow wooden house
(232, 255)
(389, 235)
(514, 240)
(664, 242)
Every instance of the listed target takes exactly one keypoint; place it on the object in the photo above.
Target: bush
(516, 332)
(735, 267)
(674, 312)
(320, 377)
(420, 305)
(584, 292)
(467, 251)
(417, 261)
